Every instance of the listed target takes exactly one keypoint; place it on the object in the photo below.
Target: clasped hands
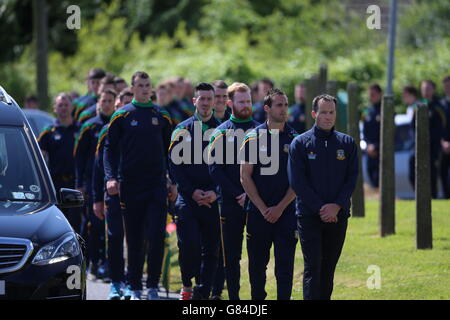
(328, 212)
(272, 214)
(204, 198)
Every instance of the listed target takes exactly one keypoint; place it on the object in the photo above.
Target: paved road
(98, 290)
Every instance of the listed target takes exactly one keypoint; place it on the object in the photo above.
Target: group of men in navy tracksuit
(228, 174)
(251, 195)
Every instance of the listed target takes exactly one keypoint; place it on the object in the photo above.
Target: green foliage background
(237, 40)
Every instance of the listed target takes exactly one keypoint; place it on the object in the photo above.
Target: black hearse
(41, 256)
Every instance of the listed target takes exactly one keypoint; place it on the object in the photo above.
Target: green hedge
(237, 44)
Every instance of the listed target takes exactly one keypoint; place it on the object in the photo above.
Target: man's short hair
(162, 86)
(268, 99)
(63, 95)
(169, 84)
(96, 73)
(31, 98)
(254, 87)
(411, 90)
(267, 81)
(203, 86)
(125, 93)
(430, 82)
(236, 87)
(74, 94)
(119, 80)
(325, 97)
(174, 80)
(109, 91)
(376, 87)
(219, 84)
(139, 74)
(108, 79)
(446, 79)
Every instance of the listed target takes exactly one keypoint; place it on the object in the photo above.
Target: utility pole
(424, 234)
(358, 208)
(40, 26)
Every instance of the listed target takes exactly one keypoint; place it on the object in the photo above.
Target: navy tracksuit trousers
(322, 246)
(198, 242)
(96, 233)
(260, 236)
(373, 168)
(114, 221)
(219, 277)
(145, 216)
(233, 218)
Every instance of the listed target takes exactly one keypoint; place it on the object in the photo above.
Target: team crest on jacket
(340, 154)
(155, 121)
(57, 137)
(134, 123)
(312, 156)
(286, 148)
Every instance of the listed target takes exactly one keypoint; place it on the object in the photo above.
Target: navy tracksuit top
(83, 102)
(84, 150)
(297, 117)
(323, 168)
(88, 113)
(58, 141)
(259, 115)
(98, 175)
(226, 116)
(136, 144)
(271, 188)
(372, 125)
(227, 176)
(437, 125)
(191, 176)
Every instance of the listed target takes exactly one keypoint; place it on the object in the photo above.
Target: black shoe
(197, 295)
(216, 297)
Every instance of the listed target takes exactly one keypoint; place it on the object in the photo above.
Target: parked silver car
(404, 143)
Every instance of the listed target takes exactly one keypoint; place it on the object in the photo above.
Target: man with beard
(270, 211)
(229, 137)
